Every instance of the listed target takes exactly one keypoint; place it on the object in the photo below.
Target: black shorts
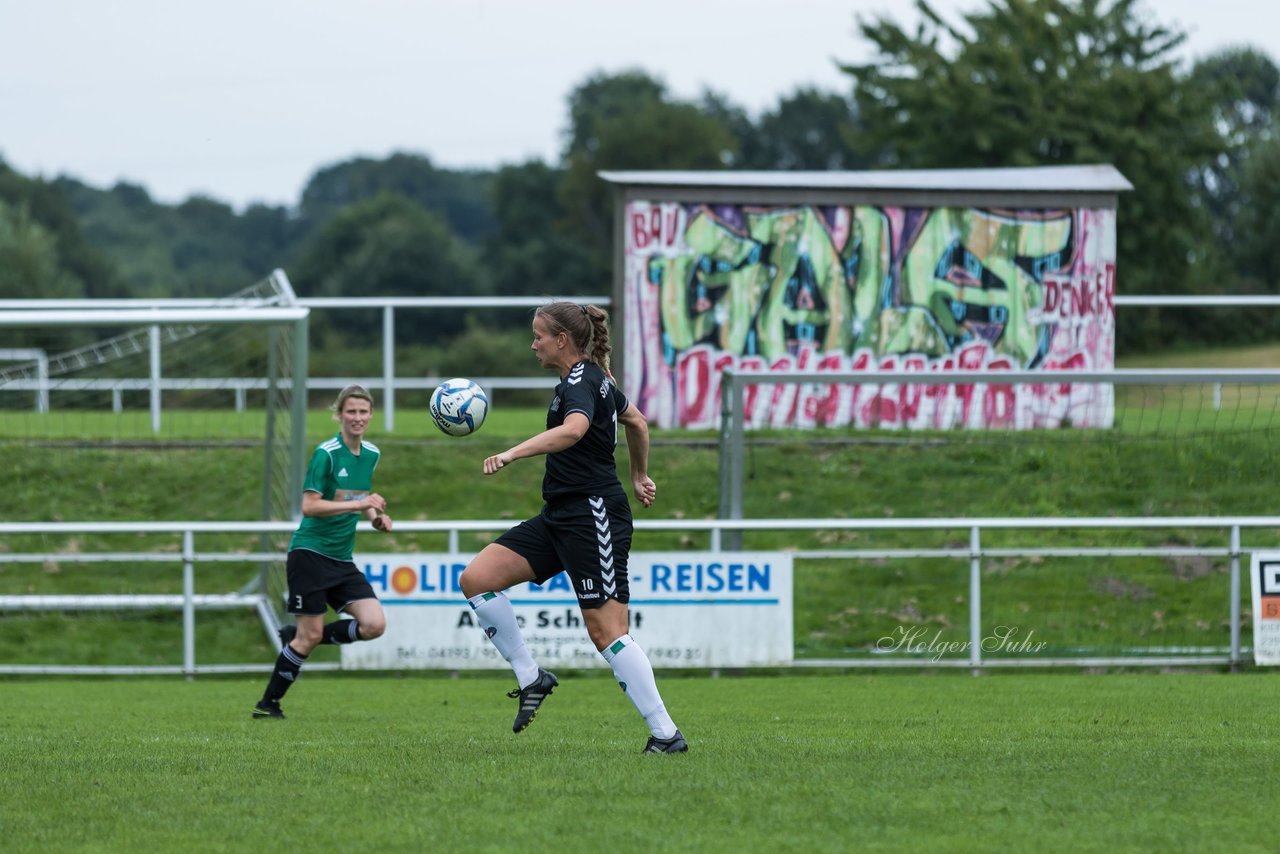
(317, 582)
(589, 537)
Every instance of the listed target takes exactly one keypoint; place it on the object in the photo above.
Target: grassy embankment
(1165, 458)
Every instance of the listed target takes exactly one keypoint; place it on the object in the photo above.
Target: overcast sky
(243, 100)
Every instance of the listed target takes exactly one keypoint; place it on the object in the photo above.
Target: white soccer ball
(458, 406)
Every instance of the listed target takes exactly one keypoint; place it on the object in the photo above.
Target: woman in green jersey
(337, 492)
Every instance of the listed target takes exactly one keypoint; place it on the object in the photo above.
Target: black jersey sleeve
(578, 394)
(620, 402)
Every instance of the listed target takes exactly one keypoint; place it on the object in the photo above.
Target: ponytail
(599, 338)
(586, 325)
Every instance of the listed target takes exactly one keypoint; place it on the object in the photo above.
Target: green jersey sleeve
(320, 474)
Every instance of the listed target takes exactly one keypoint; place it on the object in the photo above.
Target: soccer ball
(458, 406)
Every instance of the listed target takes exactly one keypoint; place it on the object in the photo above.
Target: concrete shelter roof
(1096, 178)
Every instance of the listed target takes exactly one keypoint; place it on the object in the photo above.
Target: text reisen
(708, 577)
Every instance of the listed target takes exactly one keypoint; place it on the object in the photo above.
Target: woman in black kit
(585, 525)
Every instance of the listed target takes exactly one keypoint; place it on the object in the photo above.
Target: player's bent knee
(371, 629)
(465, 582)
(605, 623)
(495, 569)
(306, 640)
(473, 582)
(600, 637)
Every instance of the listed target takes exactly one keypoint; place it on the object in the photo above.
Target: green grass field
(802, 761)
(947, 762)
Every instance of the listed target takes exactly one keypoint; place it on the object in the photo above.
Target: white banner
(688, 609)
(1265, 581)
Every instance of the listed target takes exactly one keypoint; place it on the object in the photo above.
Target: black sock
(341, 631)
(286, 672)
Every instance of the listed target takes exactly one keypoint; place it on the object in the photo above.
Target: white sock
(635, 674)
(498, 619)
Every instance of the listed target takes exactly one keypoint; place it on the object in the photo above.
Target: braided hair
(586, 325)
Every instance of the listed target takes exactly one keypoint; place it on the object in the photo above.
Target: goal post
(295, 319)
(97, 373)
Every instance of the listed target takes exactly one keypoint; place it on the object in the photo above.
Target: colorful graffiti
(869, 289)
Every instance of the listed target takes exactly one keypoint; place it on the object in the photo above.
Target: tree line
(1018, 83)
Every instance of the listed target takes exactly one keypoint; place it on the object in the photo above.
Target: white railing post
(189, 604)
(975, 598)
(1235, 597)
(42, 376)
(389, 367)
(732, 444)
(154, 335)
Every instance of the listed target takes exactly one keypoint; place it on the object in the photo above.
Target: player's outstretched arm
(547, 442)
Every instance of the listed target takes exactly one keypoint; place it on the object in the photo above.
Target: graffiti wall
(869, 289)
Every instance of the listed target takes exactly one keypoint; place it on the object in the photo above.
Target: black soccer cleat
(531, 698)
(287, 633)
(675, 744)
(267, 711)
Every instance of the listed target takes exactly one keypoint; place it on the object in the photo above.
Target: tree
(1242, 86)
(29, 264)
(531, 254)
(387, 246)
(603, 98)
(207, 245)
(615, 133)
(740, 126)
(808, 129)
(461, 198)
(1042, 82)
(268, 236)
(38, 207)
(194, 249)
(1260, 206)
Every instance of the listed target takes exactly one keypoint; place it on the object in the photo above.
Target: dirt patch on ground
(1118, 588)
(1191, 567)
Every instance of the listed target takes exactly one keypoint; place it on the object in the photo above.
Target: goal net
(184, 396)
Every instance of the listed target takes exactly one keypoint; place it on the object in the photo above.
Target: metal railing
(389, 383)
(189, 557)
(37, 311)
(239, 387)
(734, 383)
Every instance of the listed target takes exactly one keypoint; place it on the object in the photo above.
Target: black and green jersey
(588, 466)
(338, 475)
